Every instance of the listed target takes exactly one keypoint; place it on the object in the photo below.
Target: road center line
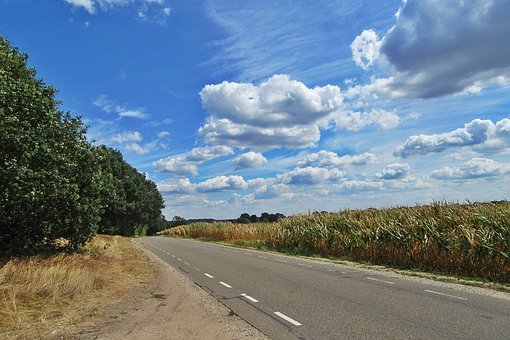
(374, 279)
(286, 318)
(225, 284)
(304, 265)
(209, 276)
(443, 294)
(196, 269)
(179, 259)
(262, 257)
(173, 255)
(249, 298)
(186, 263)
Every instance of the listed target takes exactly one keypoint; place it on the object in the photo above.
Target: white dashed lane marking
(209, 276)
(304, 265)
(225, 284)
(374, 279)
(249, 298)
(286, 318)
(443, 294)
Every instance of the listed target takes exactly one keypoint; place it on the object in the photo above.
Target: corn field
(464, 239)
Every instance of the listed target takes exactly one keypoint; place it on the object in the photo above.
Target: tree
(49, 176)
(132, 203)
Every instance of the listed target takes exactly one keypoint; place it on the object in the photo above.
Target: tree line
(244, 218)
(54, 184)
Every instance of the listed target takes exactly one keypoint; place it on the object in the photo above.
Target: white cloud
(478, 132)
(155, 11)
(310, 176)
(394, 171)
(127, 137)
(202, 154)
(135, 147)
(109, 105)
(222, 183)
(176, 165)
(179, 186)
(163, 134)
(88, 5)
(250, 160)
(357, 186)
(278, 112)
(325, 158)
(365, 48)
(438, 48)
(475, 168)
(186, 164)
(354, 121)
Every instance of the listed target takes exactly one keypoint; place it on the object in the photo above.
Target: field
(45, 296)
(470, 240)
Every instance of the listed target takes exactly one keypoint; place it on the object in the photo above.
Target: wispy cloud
(155, 11)
(109, 105)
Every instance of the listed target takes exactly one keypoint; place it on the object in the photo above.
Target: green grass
(471, 240)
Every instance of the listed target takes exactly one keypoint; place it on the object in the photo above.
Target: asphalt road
(288, 297)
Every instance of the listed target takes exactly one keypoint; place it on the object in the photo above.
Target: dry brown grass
(49, 296)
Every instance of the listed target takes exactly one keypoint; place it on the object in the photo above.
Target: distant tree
(254, 219)
(49, 175)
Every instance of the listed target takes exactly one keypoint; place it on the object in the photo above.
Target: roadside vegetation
(54, 183)
(471, 240)
(50, 296)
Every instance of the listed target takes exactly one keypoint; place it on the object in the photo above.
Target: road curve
(288, 297)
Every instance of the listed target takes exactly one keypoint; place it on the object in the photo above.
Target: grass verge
(49, 296)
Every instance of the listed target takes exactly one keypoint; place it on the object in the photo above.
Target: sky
(285, 106)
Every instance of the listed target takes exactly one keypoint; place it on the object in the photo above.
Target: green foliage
(132, 203)
(49, 176)
(53, 183)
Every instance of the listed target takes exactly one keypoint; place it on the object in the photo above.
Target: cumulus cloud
(478, 132)
(141, 150)
(202, 154)
(394, 171)
(186, 164)
(249, 160)
(365, 48)
(355, 121)
(278, 112)
(310, 176)
(176, 165)
(475, 168)
(222, 183)
(88, 5)
(357, 186)
(179, 186)
(438, 48)
(127, 137)
(326, 159)
(109, 105)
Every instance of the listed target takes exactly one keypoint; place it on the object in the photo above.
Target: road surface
(289, 297)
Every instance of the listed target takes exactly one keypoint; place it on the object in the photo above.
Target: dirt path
(172, 307)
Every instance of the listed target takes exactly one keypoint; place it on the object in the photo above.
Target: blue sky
(285, 106)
